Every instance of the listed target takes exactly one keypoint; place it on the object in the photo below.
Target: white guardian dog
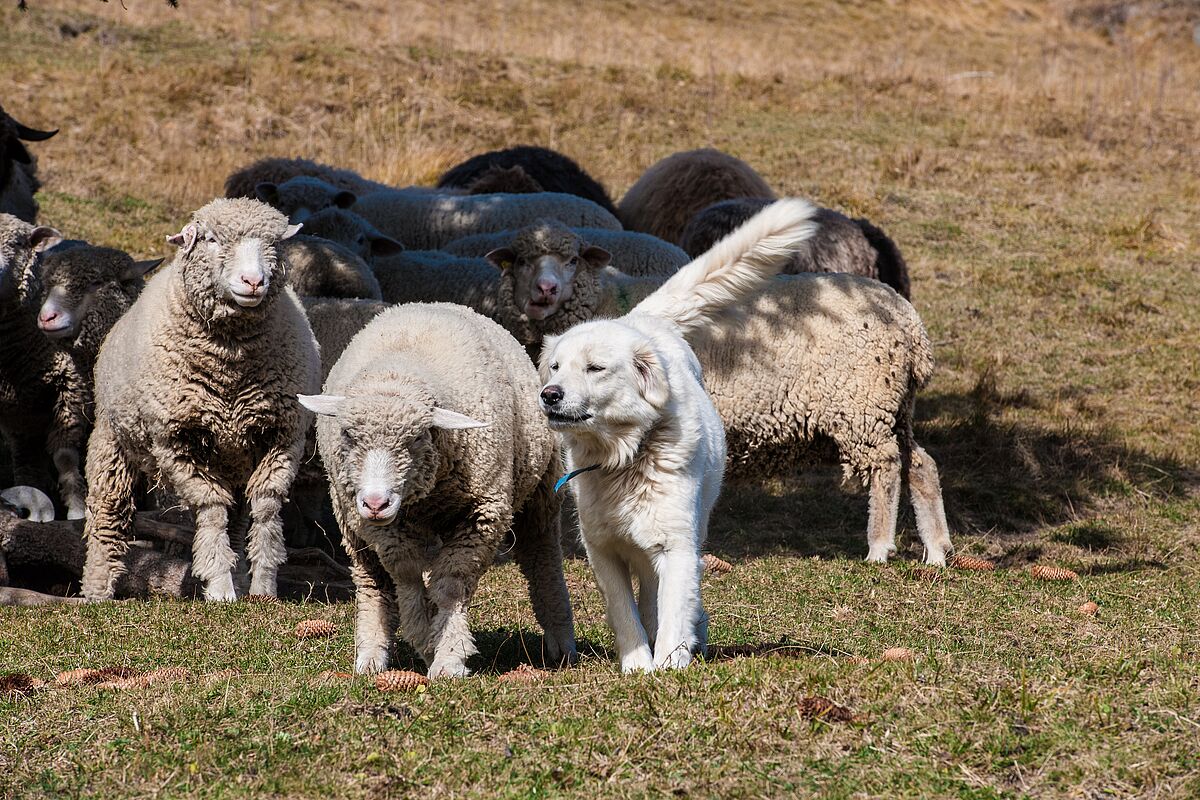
(645, 447)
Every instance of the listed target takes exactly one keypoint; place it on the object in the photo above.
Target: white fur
(633, 402)
(34, 502)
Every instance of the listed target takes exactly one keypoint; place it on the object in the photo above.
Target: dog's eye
(554, 367)
(595, 368)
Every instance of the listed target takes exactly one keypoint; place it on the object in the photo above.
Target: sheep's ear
(383, 245)
(596, 257)
(453, 421)
(345, 199)
(43, 238)
(140, 268)
(327, 405)
(292, 230)
(267, 192)
(186, 238)
(502, 258)
(651, 377)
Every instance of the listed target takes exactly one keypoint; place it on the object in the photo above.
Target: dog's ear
(651, 377)
(548, 343)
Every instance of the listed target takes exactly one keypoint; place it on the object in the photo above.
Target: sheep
(335, 321)
(352, 232)
(424, 221)
(504, 180)
(817, 357)
(841, 244)
(407, 469)
(40, 388)
(18, 168)
(28, 503)
(302, 196)
(245, 181)
(636, 254)
(196, 387)
(673, 190)
(322, 268)
(552, 170)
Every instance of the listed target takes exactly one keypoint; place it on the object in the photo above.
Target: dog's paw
(879, 555)
(371, 660)
(450, 668)
(640, 660)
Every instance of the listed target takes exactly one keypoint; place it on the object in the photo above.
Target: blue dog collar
(561, 482)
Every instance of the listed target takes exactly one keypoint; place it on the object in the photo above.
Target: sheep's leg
(679, 606)
(612, 577)
(26, 442)
(266, 490)
(882, 511)
(925, 490)
(453, 576)
(109, 514)
(538, 552)
(374, 603)
(65, 441)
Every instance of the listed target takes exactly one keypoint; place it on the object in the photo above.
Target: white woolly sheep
(429, 221)
(244, 182)
(676, 188)
(18, 168)
(637, 254)
(196, 387)
(407, 468)
(321, 268)
(816, 357)
(39, 386)
(853, 246)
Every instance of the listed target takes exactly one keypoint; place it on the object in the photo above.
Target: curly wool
(853, 246)
(431, 276)
(551, 170)
(674, 189)
(100, 271)
(504, 180)
(428, 221)
(636, 254)
(321, 268)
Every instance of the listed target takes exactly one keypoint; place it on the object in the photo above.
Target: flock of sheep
(410, 322)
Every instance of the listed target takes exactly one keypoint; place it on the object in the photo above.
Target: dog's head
(604, 381)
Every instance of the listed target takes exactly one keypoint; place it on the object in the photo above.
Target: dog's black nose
(551, 395)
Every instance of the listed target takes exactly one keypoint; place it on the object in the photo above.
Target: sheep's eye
(209, 236)
(595, 368)
(574, 260)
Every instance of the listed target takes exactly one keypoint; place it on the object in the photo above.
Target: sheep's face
(542, 265)
(303, 196)
(75, 281)
(386, 449)
(19, 241)
(352, 232)
(229, 251)
(601, 377)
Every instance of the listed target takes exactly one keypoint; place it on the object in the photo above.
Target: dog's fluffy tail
(733, 268)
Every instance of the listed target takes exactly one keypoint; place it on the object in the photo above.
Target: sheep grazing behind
(551, 170)
(18, 168)
(636, 254)
(33, 375)
(245, 181)
(816, 359)
(352, 232)
(504, 180)
(301, 197)
(854, 246)
(431, 276)
(335, 321)
(676, 188)
(428, 221)
(430, 433)
(321, 268)
(196, 387)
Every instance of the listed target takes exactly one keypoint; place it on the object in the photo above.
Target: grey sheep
(18, 168)
(854, 246)
(550, 170)
(430, 432)
(244, 182)
(636, 254)
(675, 189)
(301, 197)
(352, 232)
(815, 357)
(422, 220)
(35, 379)
(196, 388)
(320, 268)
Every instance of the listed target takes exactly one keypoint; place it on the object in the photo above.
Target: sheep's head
(20, 244)
(12, 149)
(227, 255)
(385, 440)
(303, 196)
(87, 288)
(352, 232)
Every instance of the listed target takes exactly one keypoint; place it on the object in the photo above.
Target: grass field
(1037, 163)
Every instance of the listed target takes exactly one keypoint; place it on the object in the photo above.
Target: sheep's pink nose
(375, 501)
(254, 282)
(46, 317)
(547, 287)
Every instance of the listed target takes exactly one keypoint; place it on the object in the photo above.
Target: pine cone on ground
(1089, 608)
(524, 673)
(313, 628)
(972, 563)
(716, 565)
(78, 677)
(898, 654)
(1045, 573)
(399, 680)
(814, 707)
(18, 683)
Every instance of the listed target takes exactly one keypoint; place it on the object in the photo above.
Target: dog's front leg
(679, 608)
(612, 576)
